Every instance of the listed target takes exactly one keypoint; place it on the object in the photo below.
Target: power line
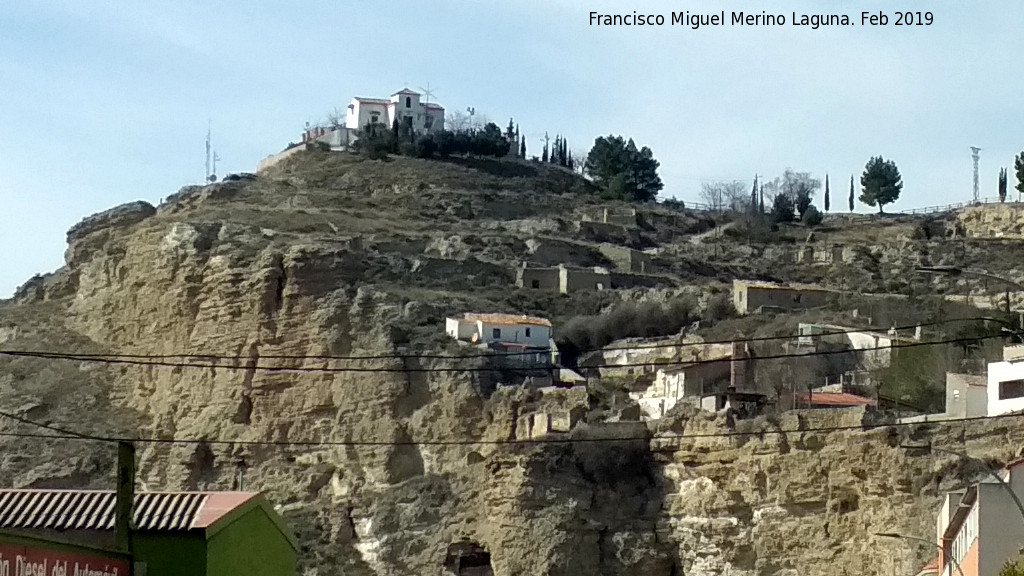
(208, 356)
(69, 435)
(325, 370)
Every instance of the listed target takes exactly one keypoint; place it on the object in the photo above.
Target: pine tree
(881, 183)
(851, 192)
(827, 203)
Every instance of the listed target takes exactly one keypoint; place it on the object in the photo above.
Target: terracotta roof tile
(507, 319)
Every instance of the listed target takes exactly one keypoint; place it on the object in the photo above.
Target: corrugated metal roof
(94, 509)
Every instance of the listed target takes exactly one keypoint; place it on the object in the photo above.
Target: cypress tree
(544, 154)
(761, 206)
(827, 203)
(522, 148)
(851, 192)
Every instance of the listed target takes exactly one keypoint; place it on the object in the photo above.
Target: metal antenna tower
(975, 156)
(209, 128)
(213, 175)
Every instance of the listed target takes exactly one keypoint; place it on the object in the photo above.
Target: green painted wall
(171, 554)
(250, 545)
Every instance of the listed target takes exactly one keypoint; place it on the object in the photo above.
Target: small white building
(528, 331)
(404, 106)
(662, 373)
(873, 349)
(1006, 382)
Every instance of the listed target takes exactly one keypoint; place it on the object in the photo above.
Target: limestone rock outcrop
(277, 350)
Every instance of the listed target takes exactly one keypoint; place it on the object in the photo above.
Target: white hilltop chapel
(405, 106)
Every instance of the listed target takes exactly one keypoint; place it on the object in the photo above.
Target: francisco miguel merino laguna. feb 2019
(697, 20)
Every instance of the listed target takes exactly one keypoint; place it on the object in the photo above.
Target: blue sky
(107, 102)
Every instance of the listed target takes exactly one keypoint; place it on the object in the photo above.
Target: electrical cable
(530, 441)
(405, 370)
(207, 356)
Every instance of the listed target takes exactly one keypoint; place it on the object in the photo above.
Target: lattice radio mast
(211, 155)
(975, 156)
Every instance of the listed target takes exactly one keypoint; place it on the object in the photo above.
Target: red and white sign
(21, 560)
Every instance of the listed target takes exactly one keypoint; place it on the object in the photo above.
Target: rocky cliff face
(992, 221)
(259, 273)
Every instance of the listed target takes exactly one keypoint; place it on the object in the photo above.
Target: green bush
(812, 216)
(782, 209)
(646, 319)
(720, 307)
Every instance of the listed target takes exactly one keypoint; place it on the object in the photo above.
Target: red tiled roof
(834, 399)
(507, 319)
(94, 509)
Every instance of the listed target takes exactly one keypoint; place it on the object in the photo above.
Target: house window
(535, 283)
(527, 332)
(408, 102)
(374, 118)
(496, 333)
(797, 297)
(1011, 389)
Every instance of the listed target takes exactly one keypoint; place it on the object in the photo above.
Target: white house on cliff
(527, 339)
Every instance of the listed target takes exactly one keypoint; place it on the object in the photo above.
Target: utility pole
(125, 497)
(975, 156)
